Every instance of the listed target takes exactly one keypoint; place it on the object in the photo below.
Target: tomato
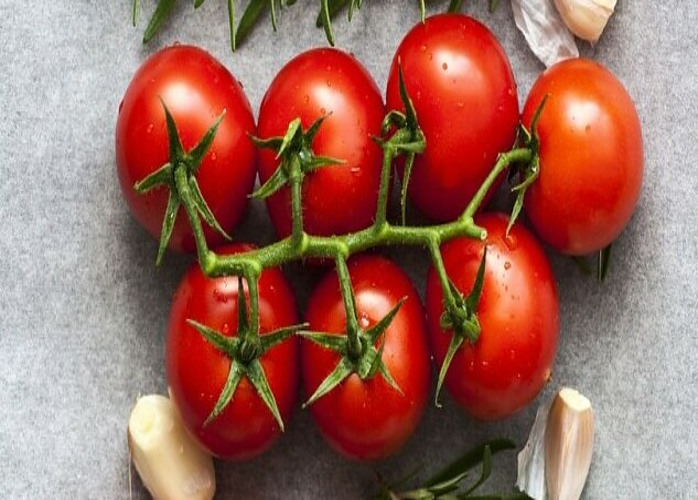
(463, 90)
(369, 419)
(590, 157)
(518, 313)
(197, 371)
(336, 199)
(196, 89)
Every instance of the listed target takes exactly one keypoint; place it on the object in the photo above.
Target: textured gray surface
(83, 311)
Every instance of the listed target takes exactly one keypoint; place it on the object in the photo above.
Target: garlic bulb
(586, 18)
(569, 442)
(171, 465)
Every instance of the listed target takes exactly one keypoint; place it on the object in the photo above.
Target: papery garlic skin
(569, 443)
(170, 463)
(586, 18)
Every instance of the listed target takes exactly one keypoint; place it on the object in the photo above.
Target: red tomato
(197, 371)
(518, 313)
(590, 157)
(464, 93)
(196, 89)
(336, 199)
(369, 419)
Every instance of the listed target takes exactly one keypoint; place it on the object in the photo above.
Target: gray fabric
(83, 312)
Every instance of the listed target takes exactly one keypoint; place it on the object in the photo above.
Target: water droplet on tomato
(329, 83)
(323, 111)
(356, 171)
(214, 156)
(507, 265)
(444, 66)
(306, 98)
(461, 105)
(588, 128)
(510, 242)
(225, 329)
(150, 128)
(423, 48)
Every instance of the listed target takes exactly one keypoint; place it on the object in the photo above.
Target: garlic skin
(569, 443)
(170, 463)
(586, 18)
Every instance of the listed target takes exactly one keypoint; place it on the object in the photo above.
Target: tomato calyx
(357, 347)
(530, 170)
(459, 317)
(244, 352)
(179, 175)
(298, 160)
(407, 139)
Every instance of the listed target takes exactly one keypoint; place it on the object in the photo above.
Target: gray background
(83, 312)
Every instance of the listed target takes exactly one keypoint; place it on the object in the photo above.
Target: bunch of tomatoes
(587, 168)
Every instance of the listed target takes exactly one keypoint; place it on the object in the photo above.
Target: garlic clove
(170, 463)
(569, 442)
(586, 18)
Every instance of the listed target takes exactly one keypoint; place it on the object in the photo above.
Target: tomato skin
(368, 419)
(591, 157)
(197, 371)
(196, 89)
(518, 312)
(463, 90)
(336, 199)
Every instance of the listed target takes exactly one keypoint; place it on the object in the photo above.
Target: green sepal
(255, 374)
(531, 170)
(231, 24)
(422, 11)
(377, 330)
(457, 340)
(473, 297)
(204, 210)
(162, 12)
(343, 369)
(410, 112)
(235, 374)
(168, 222)
(274, 338)
(161, 177)
(393, 118)
(337, 343)
(227, 345)
(277, 180)
(173, 140)
(385, 373)
(198, 3)
(197, 153)
(291, 134)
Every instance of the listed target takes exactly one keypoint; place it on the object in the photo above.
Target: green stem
(383, 192)
(438, 262)
(182, 182)
(503, 161)
(296, 182)
(354, 342)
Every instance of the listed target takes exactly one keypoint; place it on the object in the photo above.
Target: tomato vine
(402, 137)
